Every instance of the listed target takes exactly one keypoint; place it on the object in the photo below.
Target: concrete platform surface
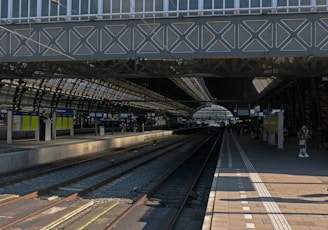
(23, 153)
(257, 186)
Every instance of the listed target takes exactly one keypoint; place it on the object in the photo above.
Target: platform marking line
(96, 217)
(245, 208)
(208, 219)
(250, 225)
(6, 217)
(229, 153)
(221, 152)
(225, 141)
(278, 220)
(244, 203)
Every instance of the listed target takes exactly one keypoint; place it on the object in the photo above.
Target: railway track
(37, 171)
(173, 191)
(63, 199)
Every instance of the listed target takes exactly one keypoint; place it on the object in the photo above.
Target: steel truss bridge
(240, 36)
(211, 58)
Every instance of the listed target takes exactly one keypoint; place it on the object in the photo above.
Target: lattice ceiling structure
(170, 61)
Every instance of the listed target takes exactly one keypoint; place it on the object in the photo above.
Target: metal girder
(217, 36)
(90, 95)
(195, 87)
(20, 90)
(288, 46)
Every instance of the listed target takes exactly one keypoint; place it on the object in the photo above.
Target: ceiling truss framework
(148, 84)
(75, 93)
(305, 101)
(97, 65)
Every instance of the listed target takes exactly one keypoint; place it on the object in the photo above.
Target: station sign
(25, 121)
(96, 114)
(64, 119)
(65, 112)
(242, 112)
(25, 113)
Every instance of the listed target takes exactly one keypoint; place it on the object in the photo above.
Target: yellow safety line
(8, 197)
(97, 216)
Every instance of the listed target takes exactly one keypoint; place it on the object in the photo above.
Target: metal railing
(167, 14)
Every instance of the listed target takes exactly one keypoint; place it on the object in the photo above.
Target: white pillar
(313, 6)
(274, 6)
(132, 8)
(39, 8)
(100, 10)
(69, 9)
(200, 7)
(47, 135)
(237, 6)
(71, 132)
(166, 7)
(10, 9)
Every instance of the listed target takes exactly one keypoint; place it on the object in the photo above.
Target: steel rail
(192, 185)
(21, 219)
(155, 188)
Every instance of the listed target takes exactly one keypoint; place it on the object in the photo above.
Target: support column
(69, 9)
(132, 8)
(100, 10)
(47, 123)
(54, 126)
(39, 8)
(281, 130)
(313, 5)
(271, 134)
(9, 127)
(71, 132)
(166, 8)
(236, 6)
(10, 10)
(274, 6)
(200, 7)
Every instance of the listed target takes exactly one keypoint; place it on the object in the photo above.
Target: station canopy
(213, 114)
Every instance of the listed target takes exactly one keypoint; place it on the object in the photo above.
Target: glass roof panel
(213, 112)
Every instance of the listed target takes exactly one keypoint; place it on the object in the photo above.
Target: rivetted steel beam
(266, 35)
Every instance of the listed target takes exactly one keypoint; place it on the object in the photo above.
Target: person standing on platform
(303, 135)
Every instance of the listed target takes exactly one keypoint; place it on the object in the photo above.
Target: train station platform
(23, 153)
(257, 186)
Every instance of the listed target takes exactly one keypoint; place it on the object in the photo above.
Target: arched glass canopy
(213, 115)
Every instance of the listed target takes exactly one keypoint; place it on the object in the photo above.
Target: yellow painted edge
(97, 216)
